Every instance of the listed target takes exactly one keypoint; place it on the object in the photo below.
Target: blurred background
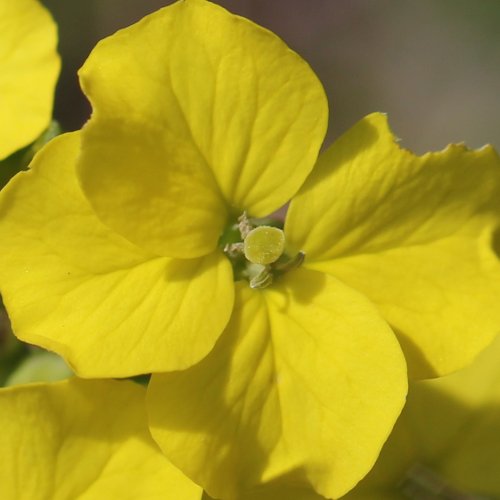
(432, 65)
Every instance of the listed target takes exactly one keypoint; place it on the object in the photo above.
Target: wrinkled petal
(83, 439)
(28, 72)
(306, 378)
(441, 298)
(367, 195)
(73, 286)
(205, 94)
(411, 232)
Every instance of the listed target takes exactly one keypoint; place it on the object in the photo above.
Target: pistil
(257, 251)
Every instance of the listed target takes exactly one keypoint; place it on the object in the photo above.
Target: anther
(244, 225)
(263, 279)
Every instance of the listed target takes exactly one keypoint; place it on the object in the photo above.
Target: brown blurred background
(432, 65)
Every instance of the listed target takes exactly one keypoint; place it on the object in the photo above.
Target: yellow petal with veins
(73, 286)
(83, 440)
(306, 382)
(415, 234)
(194, 106)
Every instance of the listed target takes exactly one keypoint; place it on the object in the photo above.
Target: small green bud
(264, 245)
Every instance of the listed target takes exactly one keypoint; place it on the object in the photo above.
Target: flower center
(264, 245)
(256, 249)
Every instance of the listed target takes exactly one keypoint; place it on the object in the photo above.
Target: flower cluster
(279, 352)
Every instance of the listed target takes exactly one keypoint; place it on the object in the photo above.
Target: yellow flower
(29, 66)
(89, 440)
(447, 441)
(82, 439)
(121, 253)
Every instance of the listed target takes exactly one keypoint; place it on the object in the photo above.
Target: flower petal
(413, 233)
(74, 287)
(230, 94)
(150, 190)
(28, 72)
(307, 381)
(83, 439)
(368, 195)
(441, 298)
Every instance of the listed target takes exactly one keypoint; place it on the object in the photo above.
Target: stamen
(263, 279)
(284, 267)
(244, 225)
(256, 250)
(233, 250)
